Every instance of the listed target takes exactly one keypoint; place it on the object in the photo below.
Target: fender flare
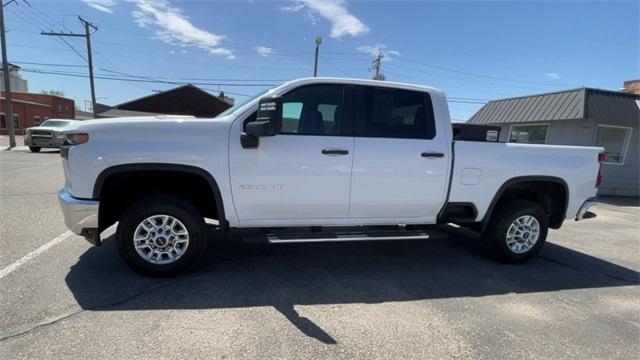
(519, 179)
(117, 169)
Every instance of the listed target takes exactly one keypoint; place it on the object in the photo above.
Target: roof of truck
(316, 80)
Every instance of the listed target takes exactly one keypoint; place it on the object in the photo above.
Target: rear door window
(394, 113)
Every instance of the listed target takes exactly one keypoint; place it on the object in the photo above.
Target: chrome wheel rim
(523, 234)
(161, 239)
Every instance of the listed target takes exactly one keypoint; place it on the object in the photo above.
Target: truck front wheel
(34, 148)
(162, 236)
(517, 231)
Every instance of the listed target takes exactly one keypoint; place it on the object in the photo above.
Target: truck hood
(169, 139)
(52, 128)
(151, 125)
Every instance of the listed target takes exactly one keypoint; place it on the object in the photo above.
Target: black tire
(35, 148)
(162, 205)
(495, 235)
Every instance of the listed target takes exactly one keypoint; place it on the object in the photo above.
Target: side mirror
(268, 122)
(269, 112)
(259, 128)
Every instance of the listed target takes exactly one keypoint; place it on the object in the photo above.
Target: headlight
(77, 138)
(60, 136)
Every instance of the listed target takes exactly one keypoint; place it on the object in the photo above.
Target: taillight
(602, 158)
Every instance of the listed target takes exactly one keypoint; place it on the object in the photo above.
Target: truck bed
(480, 169)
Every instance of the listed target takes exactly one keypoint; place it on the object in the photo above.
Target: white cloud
(552, 75)
(264, 51)
(102, 5)
(173, 27)
(373, 50)
(295, 7)
(335, 11)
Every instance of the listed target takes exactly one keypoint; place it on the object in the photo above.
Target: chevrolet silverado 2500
(312, 160)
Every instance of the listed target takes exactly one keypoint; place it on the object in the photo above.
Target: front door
(303, 174)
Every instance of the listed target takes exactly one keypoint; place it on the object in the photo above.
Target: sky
(473, 50)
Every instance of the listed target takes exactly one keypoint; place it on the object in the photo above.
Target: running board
(290, 238)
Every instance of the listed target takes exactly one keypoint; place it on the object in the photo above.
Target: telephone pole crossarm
(87, 35)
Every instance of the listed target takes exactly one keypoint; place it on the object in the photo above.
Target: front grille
(41, 133)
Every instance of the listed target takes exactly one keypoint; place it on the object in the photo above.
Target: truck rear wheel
(35, 148)
(516, 232)
(162, 236)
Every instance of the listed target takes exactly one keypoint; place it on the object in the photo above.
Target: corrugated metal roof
(604, 106)
(563, 105)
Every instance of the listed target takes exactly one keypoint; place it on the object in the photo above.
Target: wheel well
(551, 195)
(119, 190)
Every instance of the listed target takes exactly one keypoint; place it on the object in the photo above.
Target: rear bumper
(584, 212)
(80, 216)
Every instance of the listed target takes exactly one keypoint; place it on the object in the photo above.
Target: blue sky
(473, 50)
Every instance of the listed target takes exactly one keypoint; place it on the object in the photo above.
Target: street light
(315, 66)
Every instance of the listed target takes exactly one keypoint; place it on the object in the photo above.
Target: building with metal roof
(584, 116)
(182, 100)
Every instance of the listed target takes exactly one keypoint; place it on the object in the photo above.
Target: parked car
(49, 134)
(317, 159)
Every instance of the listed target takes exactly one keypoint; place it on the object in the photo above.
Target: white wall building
(18, 84)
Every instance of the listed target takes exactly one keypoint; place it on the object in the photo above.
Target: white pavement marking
(32, 255)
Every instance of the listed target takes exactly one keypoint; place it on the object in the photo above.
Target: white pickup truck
(317, 159)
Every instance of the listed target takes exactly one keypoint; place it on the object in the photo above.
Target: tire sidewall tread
(169, 205)
(495, 236)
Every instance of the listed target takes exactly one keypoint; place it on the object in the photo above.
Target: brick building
(32, 109)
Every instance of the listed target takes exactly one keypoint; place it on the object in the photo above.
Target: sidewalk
(4, 142)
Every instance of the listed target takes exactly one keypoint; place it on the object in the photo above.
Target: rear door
(400, 164)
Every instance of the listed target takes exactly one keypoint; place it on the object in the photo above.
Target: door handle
(335, 152)
(432, 155)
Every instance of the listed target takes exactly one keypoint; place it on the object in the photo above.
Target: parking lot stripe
(32, 255)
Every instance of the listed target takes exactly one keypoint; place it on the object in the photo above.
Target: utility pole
(377, 64)
(87, 35)
(315, 66)
(7, 81)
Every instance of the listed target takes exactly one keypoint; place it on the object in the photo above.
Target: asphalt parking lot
(62, 298)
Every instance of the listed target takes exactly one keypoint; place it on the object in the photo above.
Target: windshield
(238, 106)
(55, 123)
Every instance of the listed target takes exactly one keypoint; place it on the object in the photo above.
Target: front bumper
(80, 216)
(44, 142)
(584, 212)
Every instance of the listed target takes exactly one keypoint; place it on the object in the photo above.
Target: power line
(474, 74)
(102, 77)
(49, 64)
(334, 66)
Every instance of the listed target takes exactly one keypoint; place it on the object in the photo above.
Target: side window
(314, 110)
(393, 113)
